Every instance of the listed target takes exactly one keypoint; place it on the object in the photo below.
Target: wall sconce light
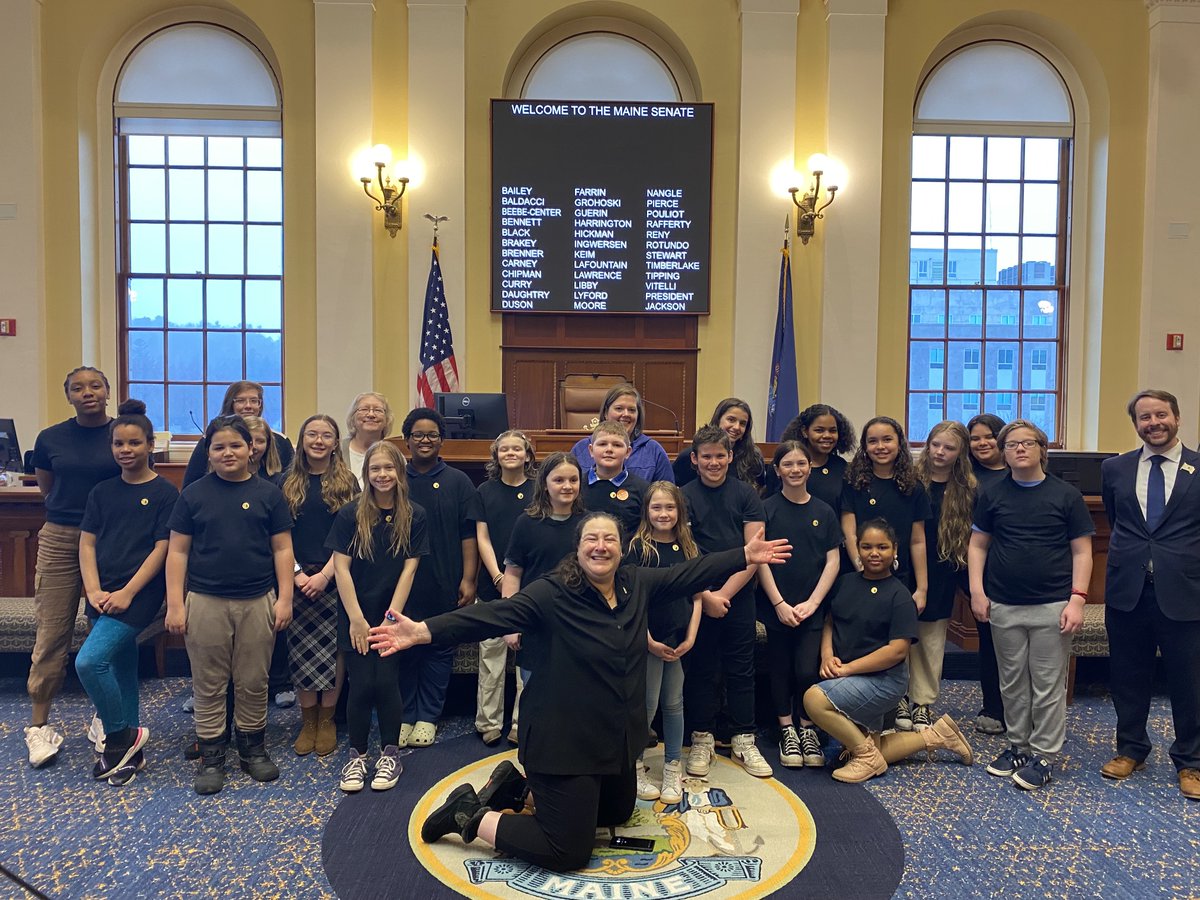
(389, 204)
(808, 210)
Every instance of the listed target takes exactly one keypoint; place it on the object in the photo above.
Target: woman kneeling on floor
(582, 778)
(871, 622)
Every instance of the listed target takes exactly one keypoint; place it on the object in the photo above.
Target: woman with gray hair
(368, 420)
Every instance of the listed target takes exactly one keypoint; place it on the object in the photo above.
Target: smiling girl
(122, 548)
(828, 436)
(732, 416)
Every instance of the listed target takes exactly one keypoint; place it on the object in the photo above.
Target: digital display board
(601, 207)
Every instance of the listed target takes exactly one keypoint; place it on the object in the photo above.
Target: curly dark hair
(861, 469)
(797, 429)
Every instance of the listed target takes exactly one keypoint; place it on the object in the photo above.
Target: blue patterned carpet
(966, 834)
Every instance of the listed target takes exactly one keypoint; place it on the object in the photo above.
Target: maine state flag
(783, 402)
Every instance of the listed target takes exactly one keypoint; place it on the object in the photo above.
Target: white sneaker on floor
(672, 782)
(95, 734)
(43, 742)
(646, 789)
(745, 753)
(700, 755)
(285, 699)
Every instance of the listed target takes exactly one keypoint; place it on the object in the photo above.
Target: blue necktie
(1156, 493)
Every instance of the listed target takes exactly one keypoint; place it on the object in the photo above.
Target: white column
(1170, 259)
(850, 295)
(345, 219)
(767, 137)
(437, 110)
(22, 358)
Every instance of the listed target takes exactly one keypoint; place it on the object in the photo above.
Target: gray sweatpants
(1032, 656)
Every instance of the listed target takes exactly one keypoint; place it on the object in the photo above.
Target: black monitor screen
(1079, 468)
(601, 206)
(10, 449)
(473, 416)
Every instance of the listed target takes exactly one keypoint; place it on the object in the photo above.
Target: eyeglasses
(1027, 444)
(319, 435)
(425, 437)
(372, 410)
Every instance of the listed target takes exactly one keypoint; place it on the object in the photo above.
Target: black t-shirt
(813, 530)
(231, 524)
(448, 498)
(717, 515)
(669, 619)
(375, 579)
(944, 578)
(870, 614)
(987, 478)
(499, 506)
(624, 500)
(883, 500)
(80, 459)
(128, 520)
(1029, 558)
(313, 521)
(538, 545)
(197, 465)
(824, 482)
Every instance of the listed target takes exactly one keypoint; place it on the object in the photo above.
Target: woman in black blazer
(594, 617)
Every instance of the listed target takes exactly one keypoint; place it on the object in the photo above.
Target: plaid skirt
(312, 640)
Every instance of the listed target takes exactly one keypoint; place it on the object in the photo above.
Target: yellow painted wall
(1106, 41)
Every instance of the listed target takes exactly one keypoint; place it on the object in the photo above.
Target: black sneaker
(1033, 775)
(505, 788)
(452, 816)
(1007, 763)
(904, 721)
(922, 717)
(810, 746)
(126, 773)
(119, 751)
(791, 754)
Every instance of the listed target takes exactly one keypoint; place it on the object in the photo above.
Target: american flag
(439, 372)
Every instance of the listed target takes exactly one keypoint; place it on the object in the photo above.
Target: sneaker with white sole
(922, 717)
(354, 773)
(745, 753)
(700, 755)
(904, 719)
(810, 747)
(95, 733)
(672, 782)
(790, 752)
(285, 699)
(43, 742)
(1034, 774)
(387, 769)
(646, 789)
(1008, 762)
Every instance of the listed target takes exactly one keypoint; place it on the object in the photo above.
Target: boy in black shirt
(611, 487)
(724, 512)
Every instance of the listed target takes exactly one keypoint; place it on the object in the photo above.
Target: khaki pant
(489, 698)
(229, 639)
(925, 662)
(56, 592)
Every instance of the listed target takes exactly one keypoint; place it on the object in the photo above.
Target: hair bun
(132, 407)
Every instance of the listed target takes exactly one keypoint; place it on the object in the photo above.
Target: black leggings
(794, 663)
(560, 835)
(374, 685)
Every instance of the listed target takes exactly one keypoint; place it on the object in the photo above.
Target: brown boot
(326, 731)
(306, 739)
(865, 763)
(944, 734)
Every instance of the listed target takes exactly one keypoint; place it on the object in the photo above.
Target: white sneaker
(354, 774)
(646, 789)
(387, 769)
(701, 754)
(745, 753)
(43, 742)
(95, 734)
(285, 699)
(672, 782)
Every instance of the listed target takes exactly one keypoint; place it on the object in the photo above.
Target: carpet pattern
(965, 834)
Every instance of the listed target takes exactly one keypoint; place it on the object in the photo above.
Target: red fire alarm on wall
(1174, 341)
(8, 327)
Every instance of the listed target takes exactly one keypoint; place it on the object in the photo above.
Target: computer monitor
(10, 448)
(1080, 468)
(473, 416)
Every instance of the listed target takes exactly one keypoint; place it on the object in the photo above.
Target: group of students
(267, 540)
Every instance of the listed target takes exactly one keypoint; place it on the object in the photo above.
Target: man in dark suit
(1152, 587)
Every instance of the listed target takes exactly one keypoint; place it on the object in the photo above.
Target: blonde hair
(1038, 434)
(643, 538)
(958, 504)
(270, 459)
(338, 484)
(612, 429)
(367, 516)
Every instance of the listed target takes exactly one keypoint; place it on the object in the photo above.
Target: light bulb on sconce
(389, 204)
(808, 206)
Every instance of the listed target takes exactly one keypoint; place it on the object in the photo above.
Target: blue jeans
(107, 665)
(666, 679)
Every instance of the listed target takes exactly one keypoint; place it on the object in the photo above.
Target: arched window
(991, 163)
(199, 165)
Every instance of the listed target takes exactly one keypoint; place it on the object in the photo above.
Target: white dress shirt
(1170, 468)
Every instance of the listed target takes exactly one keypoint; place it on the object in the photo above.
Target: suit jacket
(1173, 546)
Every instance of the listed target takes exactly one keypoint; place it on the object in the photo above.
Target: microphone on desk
(199, 427)
(665, 409)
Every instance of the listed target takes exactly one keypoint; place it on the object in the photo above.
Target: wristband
(391, 616)
(499, 577)
(777, 605)
(1075, 592)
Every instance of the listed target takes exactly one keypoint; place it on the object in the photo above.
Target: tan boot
(865, 763)
(944, 734)
(306, 739)
(326, 731)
